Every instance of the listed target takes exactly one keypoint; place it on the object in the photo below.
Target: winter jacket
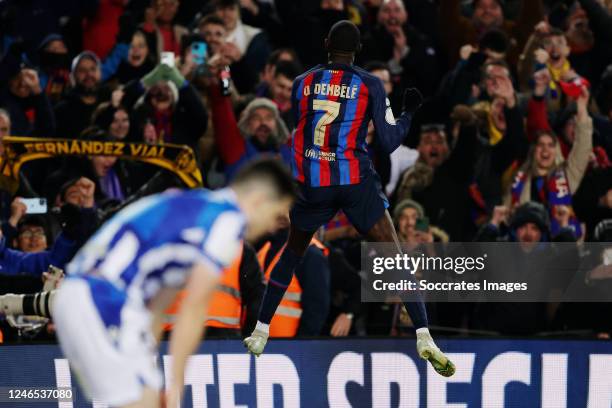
(13, 262)
(189, 117)
(31, 116)
(234, 146)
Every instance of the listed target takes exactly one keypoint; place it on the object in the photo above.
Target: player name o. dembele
(341, 91)
(424, 285)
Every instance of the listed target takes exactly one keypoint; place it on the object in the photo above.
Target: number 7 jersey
(332, 106)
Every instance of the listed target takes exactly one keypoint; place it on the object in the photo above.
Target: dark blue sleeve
(285, 154)
(15, 262)
(390, 132)
(110, 65)
(249, 153)
(62, 252)
(314, 277)
(10, 233)
(9, 259)
(252, 152)
(295, 102)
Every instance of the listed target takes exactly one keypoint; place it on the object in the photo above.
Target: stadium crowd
(513, 141)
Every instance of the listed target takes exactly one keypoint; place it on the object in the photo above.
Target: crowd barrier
(491, 373)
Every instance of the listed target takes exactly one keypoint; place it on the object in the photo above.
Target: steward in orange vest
(235, 302)
(286, 320)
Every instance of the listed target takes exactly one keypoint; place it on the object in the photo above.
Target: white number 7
(332, 109)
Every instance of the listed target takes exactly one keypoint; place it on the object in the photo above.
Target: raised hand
(466, 51)
(541, 56)
(562, 214)
(18, 210)
(87, 188)
(30, 77)
(342, 325)
(542, 28)
(500, 215)
(582, 103)
(412, 100)
(541, 79)
(231, 51)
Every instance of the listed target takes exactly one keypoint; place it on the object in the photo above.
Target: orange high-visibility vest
(286, 320)
(225, 307)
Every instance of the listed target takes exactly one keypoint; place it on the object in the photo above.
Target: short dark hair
(344, 37)
(94, 132)
(274, 56)
(104, 115)
(554, 32)
(226, 3)
(210, 19)
(494, 40)
(270, 170)
(376, 66)
(33, 220)
(541, 133)
(496, 63)
(287, 69)
(500, 2)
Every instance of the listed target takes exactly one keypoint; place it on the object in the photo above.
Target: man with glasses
(212, 29)
(32, 237)
(33, 257)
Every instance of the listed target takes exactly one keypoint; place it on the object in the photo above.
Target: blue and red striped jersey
(332, 106)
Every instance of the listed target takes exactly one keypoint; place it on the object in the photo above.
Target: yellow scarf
(495, 135)
(556, 74)
(178, 159)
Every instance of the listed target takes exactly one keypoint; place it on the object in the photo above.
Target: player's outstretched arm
(391, 132)
(189, 325)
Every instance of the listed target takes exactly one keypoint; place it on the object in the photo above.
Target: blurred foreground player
(108, 311)
(333, 104)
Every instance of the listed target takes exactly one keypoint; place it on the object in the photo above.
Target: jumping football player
(108, 311)
(332, 106)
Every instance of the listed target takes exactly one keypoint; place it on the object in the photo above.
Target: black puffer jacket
(189, 117)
